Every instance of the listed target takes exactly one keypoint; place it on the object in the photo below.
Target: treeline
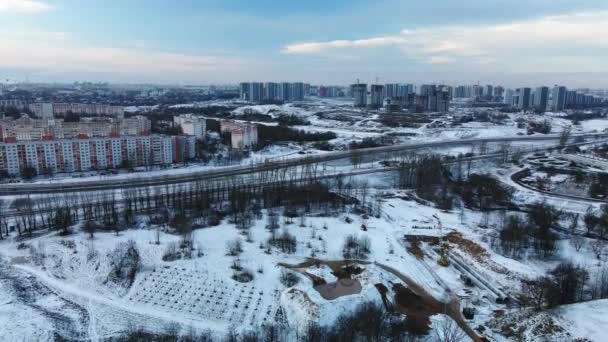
(517, 235)
(201, 203)
(368, 322)
(267, 135)
(292, 120)
(432, 181)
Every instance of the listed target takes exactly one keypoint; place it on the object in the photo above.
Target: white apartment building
(191, 125)
(50, 156)
(242, 135)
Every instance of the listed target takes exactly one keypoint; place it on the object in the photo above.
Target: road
(108, 184)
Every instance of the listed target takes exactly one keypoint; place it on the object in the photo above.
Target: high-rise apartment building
(376, 96)
(359, 91)
(541, 99)
(558, 98)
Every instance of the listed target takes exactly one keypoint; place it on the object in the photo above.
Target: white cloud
(52, 53)
(23, 6)
(576, 39)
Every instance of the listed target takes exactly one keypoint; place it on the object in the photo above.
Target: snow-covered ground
(70, 291)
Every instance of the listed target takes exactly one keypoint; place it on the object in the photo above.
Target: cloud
(578, 40)
(56, 53)
(23, 6)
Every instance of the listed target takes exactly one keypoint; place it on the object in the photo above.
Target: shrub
(356, 248)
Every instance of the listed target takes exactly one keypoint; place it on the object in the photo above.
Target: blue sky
(221, 41)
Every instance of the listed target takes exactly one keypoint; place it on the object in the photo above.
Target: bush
(291, 120)
(125, 262)
(484, 191)
(171, 253)
(242, 276)
(286, 242)
(356, 248)
(288, 278)
(234, 247)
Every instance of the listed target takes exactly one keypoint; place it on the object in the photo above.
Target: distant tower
(359, 91)
(376, 98)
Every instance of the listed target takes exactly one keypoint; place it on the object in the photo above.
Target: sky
(514, 43)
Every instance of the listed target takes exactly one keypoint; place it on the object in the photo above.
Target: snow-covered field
(54, 285)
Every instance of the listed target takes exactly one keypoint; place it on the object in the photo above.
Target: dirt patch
(467, 245)
(383, 290)
(415, 250)
(412, 304)
(347, 271)
(340, 288)
(431, 240)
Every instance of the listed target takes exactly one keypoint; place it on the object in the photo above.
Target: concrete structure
(271, 91)
(26, 128)
(244, 91)
(51, 156)
(541, 99)
(93, 109)
(256, 92)
(297, 91)
(42, 110)
(376, 96)
(558, 98)
(191, 125)
(242, 135)
(522, 98)
(359, 91)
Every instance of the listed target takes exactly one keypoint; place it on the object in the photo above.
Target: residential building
(242, 135)
(359, 91)
(541, 99)
(376, 96)
(191, 125)
(50, 156)
(558, 98)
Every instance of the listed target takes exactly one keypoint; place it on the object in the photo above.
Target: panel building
(359, 91)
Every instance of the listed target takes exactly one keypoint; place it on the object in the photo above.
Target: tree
(90, 227)
(568, 284)
(447, 330)
(590, 220)
(597, 247)
(577, 242)
(564, 136)
(514, 236)
(534, 292)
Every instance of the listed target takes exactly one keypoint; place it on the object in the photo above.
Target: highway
(223, 172)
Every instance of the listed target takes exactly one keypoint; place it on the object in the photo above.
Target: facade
(541, 99)
(42, 110)
(271, 91)
(559, 98)
(244, 91)
(51, 156)
(376, 96)
(297, 91)
(27, 128)
(359, 92)
(191, 125)
(256, 91)
(522, 98)
(242, 135)
(93, 109)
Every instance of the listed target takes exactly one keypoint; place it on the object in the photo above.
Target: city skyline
(545, 43)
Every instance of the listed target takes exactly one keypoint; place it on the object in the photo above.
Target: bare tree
(447, 330)
(598, 247)
(577, 242)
